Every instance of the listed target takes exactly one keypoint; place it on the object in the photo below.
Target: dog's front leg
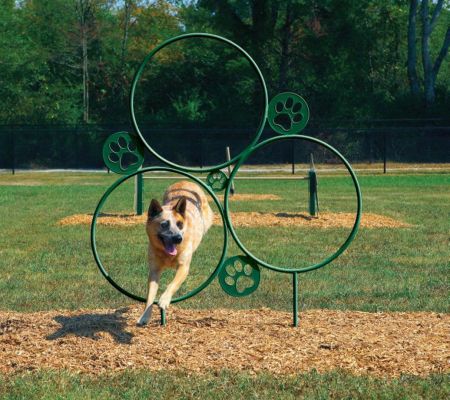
(172, 287)
(153, 283)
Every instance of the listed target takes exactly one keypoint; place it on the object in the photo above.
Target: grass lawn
(225, 385)
(44, 266)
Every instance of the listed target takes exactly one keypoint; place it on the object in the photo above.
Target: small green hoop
(286, 104)
(118, 145)
(217, 180)
(236, 269)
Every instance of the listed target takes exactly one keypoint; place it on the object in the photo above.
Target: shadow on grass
(89, 325)
(294, 215)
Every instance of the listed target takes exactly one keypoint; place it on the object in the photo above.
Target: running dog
(175, 230)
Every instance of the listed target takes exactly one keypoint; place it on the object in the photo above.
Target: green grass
(225, 385)
(44, 266)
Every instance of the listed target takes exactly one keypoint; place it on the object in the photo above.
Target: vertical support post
(138, 189)
(163, 317)
(384, 152)
(295, 298)
(293, 158)
(13, 153)
(228, 157)
(312, 186)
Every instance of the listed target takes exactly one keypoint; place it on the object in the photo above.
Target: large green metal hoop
(341, 249)
(139, 74)
(102, 202)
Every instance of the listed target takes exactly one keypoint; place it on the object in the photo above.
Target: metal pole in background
(138, 189)
(295, 297)
(228, 157)
(384, 152)
(312, 188)
(293, 157)
(13, 153)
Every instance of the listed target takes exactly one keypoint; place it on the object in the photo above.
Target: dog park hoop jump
(229, 268)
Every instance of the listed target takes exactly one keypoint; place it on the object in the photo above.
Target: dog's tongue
(170, 249)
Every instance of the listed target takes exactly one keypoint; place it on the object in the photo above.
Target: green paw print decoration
(217, 180)
(239, 276)
(288, 113)
(123, 153)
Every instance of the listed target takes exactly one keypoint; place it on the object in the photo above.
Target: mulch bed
(105, 341)
(250, 219)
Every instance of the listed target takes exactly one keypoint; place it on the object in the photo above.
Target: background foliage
(68, 61)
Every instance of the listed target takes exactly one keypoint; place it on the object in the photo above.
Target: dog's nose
(177, 238)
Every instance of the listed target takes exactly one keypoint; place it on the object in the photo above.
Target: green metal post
(163, 317)
(138, 194)
(295, 297)
(312, 183)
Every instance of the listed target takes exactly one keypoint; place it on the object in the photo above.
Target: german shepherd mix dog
(174, 230)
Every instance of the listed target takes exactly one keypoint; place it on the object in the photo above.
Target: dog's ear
(180, 207)
(154, 209)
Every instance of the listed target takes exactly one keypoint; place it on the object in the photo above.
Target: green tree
(429, 19)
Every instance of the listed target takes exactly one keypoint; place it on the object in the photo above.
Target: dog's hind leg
(172, 287)
(153, 284)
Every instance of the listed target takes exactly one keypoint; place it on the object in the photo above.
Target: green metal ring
(217, 180)
(116, 166)
(139, 74)
(102, 202)
(341, 249)
(295, 126)
(235, 268)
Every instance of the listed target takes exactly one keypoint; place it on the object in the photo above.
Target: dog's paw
(142, 321)
(145, 317)
(164, 301)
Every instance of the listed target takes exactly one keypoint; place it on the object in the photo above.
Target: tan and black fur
(175, 230)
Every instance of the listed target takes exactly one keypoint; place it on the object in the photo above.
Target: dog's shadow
(90, 325)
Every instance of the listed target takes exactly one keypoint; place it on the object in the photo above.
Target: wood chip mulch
(250, 219)
(105, 341)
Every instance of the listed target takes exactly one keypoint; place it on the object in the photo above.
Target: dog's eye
(180, 225)
(165, 224)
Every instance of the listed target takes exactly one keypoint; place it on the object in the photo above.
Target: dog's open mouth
(169, 246)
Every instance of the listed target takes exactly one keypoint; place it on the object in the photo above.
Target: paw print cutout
(239, 276)
(123, 153)
(288, 113)
(217, 180)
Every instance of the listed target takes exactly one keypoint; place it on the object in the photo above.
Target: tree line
(72, 61)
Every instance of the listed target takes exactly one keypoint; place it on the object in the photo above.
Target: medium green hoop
(141, 70)
(102, 202)
(341, 249)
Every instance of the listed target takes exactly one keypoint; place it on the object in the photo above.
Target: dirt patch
(104, 219)
(325, 220)
(98, 341)
(250, 219)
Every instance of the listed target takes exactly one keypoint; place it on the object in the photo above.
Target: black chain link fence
(80, 147)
